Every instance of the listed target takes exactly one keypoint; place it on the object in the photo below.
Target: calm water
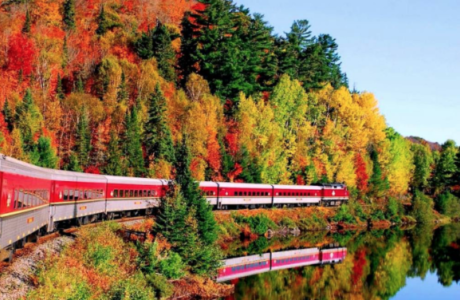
(420, 263)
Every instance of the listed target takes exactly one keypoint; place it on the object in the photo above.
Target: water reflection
(354, 265)
(274, 261)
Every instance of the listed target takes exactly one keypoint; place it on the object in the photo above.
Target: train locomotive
(35, 200)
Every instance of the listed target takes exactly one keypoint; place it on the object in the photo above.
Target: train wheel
(110, 216)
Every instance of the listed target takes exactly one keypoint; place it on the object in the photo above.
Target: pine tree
(83, 139)
(69, 14)
(192, 194)
(171, 217)
(144, 45)
(445, 168)
(122, 94)
(29, 120)
(65, 53)
(59, 92)
(133, 145)
(251, 171)
(164, 52)
(214, 31)
(44, 155)
(103, 22)
(158, 138)
(114, 163)
(378, 184)
(187, 61)
(80, 86)
(27, 23)
(8, 115)
(290, 49)
(74, 164)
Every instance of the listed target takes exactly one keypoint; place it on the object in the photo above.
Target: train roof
(297, 187)
(62, 175)
(244, 185)
(15, 166)
(135, 180)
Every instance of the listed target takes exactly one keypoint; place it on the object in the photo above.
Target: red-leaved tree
(21, 54)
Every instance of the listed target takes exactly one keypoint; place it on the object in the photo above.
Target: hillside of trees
(118, 86)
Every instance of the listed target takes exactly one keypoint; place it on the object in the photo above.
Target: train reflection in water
(256, 264)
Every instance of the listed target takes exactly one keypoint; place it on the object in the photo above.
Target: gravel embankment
(16, 280)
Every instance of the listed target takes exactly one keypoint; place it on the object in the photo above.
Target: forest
(116, 87)
(197, 90)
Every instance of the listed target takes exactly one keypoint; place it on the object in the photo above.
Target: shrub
(344, 215)
(173, 266)
(314, 222)
(358, 211)
(288, 222)
(134, 288)
(448, 205)
(377, 215)
(259, 224)
(394, 210)
(162, 288)
(422, 208)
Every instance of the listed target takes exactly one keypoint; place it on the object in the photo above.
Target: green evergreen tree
(133, 145)
(44, 155)
(74, 164)
(187, 61)
(218, 53)
(69, 14)
(144, 45)
(251, 171)
(444, 173)
(423, 160)
(322, 64)
(378, 184)
(291, 48)
(27, 23)
(65, 53)
(158, 138)
(83, 138)
(59, 91)
(80, 86)
(122, 94)
(114, 163)
(103, 25)
(29, 120)
(164, 52)
(171, 218)
(8, 115)
(192, 194)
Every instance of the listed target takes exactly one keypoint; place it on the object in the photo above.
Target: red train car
(76, 197)
(24, 203)
(127, 195)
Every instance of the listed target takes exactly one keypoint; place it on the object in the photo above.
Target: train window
(65, 195)
(245, 193)
(258, 193)
(20, 199)
(115, 193)
(131, 193)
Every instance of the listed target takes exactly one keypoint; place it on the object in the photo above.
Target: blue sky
(406, 52)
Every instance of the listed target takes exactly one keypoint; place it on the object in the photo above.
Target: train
(36, 200)
(238, 267)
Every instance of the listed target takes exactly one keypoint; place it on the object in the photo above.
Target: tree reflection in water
(376, 264)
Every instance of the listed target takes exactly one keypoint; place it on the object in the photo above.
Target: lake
(418, 263)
